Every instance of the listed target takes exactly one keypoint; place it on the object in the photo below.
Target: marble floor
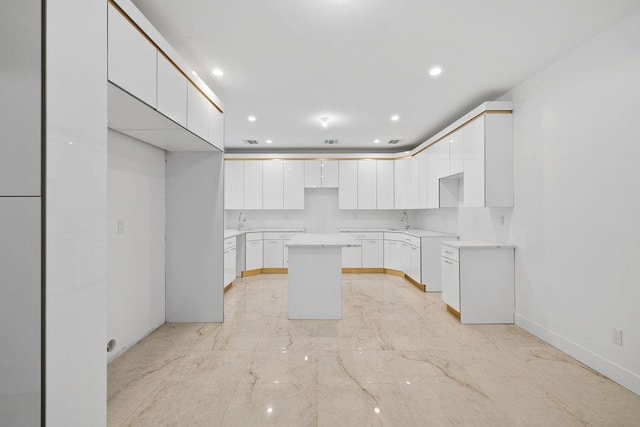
(397, 358)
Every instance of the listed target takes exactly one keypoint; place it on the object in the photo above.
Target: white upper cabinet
(198, 113)
(321, 173)
(456, 152)
(384, 184)
(330, 173)
(420, 173)
(253, 184)
(402, 178)
(273, 184)
(132, 59)
(313, 173)
(488, 161)
(348, 189)
(234, 184)
(172, 92)
(216, 127)
(366, 187)
(293, 184)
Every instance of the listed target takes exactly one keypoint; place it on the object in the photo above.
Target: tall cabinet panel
(272, 184)
(348, 189)
(234, 184)
(132, 59)
(253, 184)
(366, 187)
(474, 164)
(293, 184)
(384, 184)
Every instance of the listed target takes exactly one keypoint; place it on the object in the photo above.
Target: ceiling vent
(330, 141)
(250, 141)
(394, 141)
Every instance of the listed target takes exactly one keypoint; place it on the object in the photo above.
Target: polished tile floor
(397, 358)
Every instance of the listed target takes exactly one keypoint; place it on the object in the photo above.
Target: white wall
(135, 257)
(575, 220)
(76, 247)
(320, 215)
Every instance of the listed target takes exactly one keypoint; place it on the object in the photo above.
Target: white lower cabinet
(478, 281)
(414, 263)
(393, 251)
(229, 261)
(273, 254)
(253, 251)
(369, 255)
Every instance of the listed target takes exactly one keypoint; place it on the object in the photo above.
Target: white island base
(315, 275)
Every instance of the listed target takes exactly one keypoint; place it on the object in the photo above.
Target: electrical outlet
(616, 336)
(121, 226)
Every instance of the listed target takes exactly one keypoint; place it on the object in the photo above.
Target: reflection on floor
(397, 358)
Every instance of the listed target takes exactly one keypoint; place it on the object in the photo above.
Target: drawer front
(449, 252)
(396, 237)
(369, 235)
(415, 241)
(278, 235)
(254, 236)
(229, 243)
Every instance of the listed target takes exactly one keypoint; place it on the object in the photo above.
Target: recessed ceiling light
(376, 141)
(217, 72)
(252, 118)
(194, 73)
(268, 141)
(435, 71)
(324, 121)
(395, 118)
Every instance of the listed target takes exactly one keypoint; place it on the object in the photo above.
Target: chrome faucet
(405, 220)
(241, 220)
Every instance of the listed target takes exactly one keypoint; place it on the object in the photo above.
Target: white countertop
(323, 240)
(233, 233)
(415, 232)
(461, 244)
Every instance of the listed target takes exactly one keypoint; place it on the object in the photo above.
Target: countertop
(233, 233)
(461, 244)
(323, 240)
(415, 232)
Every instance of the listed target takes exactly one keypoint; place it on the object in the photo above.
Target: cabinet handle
(447, 252)
(448, 262)
(373, 241)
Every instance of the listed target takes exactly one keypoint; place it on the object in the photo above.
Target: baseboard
(610, 369)
(356, 270)
(275, 270)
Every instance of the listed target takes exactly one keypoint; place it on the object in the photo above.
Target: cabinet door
(441, 152)
(253, 184)
(433, 180)
(372, 253)
(273, 253)
(272, 184)
(392, 254)
(227, 271)
(451, 283)
(253, 255)
(414, 263)
(216, 127)
(422, 186)
(312, 173)
(293, 184)
(198, 112)
(131, 59)
(348, 190)
(367, 176)
(172, 92)
(233, 184)
(474, 164)
(384, 184)
(402, 180)
(232, 264)
(351, 257)
(330, 173)
(456, 152)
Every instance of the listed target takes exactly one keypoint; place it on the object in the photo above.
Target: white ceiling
(358, 62)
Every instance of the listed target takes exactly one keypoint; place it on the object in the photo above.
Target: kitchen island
(315, 275)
